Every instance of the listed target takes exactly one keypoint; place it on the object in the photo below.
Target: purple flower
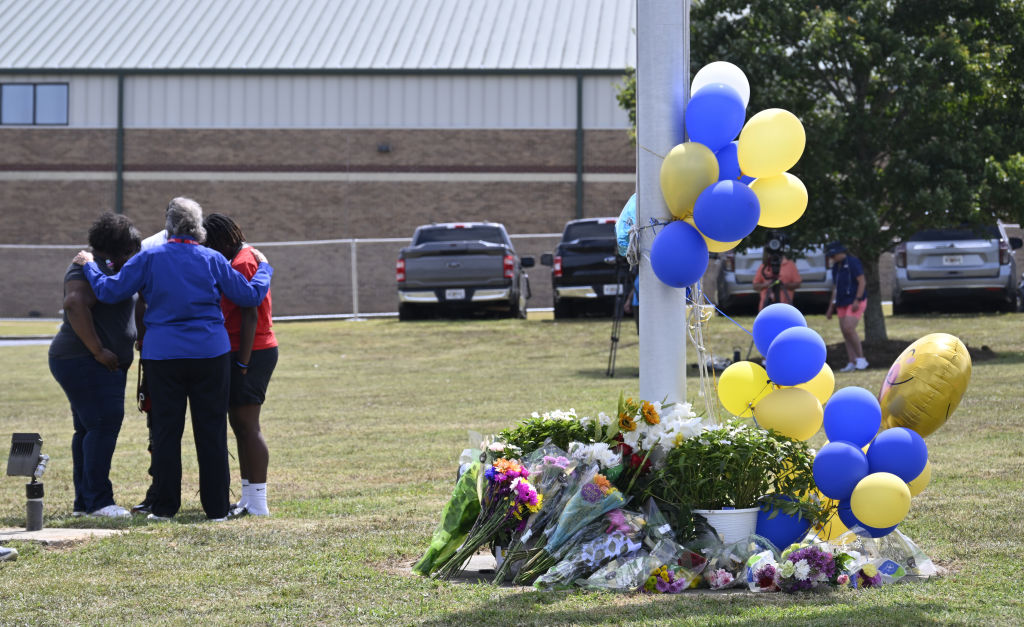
(525, 493)
(559, 461)
(591, 493)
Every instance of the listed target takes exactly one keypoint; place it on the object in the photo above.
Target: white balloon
(722, 72)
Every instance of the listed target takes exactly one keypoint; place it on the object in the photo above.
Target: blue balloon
(625, 222)
(679, 255)
(900, 451)
(846, 515)
(795, 356)
(784, 529)
(729, 165)
(714, 116)
(727, 211)
(853, 415)
(838, 468)
(772, 320)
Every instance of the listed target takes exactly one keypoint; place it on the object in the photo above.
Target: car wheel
(407, 312)
(899, 307)
(563, 310)
(1011, 302)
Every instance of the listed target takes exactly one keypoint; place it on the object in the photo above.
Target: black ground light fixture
(26, 460)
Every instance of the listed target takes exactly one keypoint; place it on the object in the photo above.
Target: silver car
(736, 272)
(956, 265)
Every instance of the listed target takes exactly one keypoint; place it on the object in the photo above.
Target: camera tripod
(623, 277)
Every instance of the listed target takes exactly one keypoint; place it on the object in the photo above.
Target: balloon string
(646, 149)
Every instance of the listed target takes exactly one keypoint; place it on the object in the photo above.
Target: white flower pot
(732, 525)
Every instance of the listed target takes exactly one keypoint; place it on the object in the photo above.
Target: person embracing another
(253, 357)
(187, 352)
(849, 301)
(89, 357)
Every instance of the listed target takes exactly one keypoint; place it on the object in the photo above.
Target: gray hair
(185, 217)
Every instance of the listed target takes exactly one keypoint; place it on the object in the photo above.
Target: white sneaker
(8, 555)
(156, 518)
(111, 511)
(78, 513)
(861, 363)
(850, 367)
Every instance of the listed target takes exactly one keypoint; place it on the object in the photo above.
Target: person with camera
(777, 278)
(849, 300)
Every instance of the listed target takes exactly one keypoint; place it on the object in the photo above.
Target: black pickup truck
(586, 274)
(461, 266)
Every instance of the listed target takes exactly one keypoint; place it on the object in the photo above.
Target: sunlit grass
(365, 421)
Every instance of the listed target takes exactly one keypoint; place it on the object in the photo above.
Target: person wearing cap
(849, 300)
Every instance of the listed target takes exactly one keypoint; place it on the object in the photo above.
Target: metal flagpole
(662, 86)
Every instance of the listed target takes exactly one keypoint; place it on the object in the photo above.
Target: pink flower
(843, 579)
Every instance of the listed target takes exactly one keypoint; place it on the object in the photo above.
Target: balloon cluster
(872, 477)
(719, 187)
(788, 393)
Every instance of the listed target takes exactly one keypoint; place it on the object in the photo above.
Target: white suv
(736, 272)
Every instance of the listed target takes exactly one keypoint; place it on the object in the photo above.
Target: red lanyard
(182, 240)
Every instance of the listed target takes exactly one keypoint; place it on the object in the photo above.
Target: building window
(34, 104)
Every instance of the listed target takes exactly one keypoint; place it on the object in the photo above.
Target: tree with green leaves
(914, 112)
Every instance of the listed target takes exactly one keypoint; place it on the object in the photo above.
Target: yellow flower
(870, 570)
(626, 422)
(536, 508)
(650, 414)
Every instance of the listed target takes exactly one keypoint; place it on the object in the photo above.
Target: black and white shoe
(144, 507)
(8, 555)
(233, 512)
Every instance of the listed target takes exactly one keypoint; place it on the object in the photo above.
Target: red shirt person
(765, 280)
(254, 357)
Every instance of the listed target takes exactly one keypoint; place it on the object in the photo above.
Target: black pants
(204, 383)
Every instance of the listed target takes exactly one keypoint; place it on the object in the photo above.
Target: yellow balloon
(741, 386)
(714, 246)
(770, 143)
(783, 199)
(925, 384)
(880, 500)
(921, 482)
(685, 172)
(822, 385)
(791, 412)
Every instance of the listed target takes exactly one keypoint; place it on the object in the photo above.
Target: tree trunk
(874, 320)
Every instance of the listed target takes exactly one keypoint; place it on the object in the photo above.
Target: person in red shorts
(849, 300)
(253, 357)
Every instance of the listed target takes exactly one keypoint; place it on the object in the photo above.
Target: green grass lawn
(365, 421)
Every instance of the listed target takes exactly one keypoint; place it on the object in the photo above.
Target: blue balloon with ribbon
(781, 528)
(625, 222)
(852, 415)
(838, 468)
(729, 165)
(679, 255)
(714, 116)
(727, 211)
(899, 451)
(772, 320)
(795, 356)
(846, 515)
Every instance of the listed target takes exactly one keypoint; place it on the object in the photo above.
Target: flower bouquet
(807, 567)
(507, 496)
(620, 535)
(595, 497)
(457, 518)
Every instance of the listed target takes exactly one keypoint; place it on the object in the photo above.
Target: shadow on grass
(528, 608)
(627, 372)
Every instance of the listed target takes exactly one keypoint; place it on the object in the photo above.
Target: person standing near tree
(253, 357)
(849, 300)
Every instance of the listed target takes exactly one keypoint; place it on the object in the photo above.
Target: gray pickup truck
(461, 266)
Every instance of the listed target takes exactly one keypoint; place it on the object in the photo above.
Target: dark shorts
(251, 388)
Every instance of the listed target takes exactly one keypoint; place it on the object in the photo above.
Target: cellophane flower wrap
(550, 471)
(620, 534)
(593, 497)
(630, 572)
(507, 499)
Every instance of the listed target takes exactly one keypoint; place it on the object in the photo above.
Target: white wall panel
(92, 100)
(367, 101)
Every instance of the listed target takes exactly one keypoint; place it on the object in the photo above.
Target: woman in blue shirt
(849, 301)
(187, 351)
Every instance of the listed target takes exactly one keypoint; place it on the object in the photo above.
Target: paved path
(55, 535)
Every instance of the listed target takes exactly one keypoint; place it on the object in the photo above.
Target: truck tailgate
(454, 264)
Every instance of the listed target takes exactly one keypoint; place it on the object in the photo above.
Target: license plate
(952, 260)
(455, 294)
(612, 290)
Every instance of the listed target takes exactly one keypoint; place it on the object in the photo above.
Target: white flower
(497, 447)
(803, 570)
(535, 415)
(599, 453)
(604, 419)
(632, 438)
